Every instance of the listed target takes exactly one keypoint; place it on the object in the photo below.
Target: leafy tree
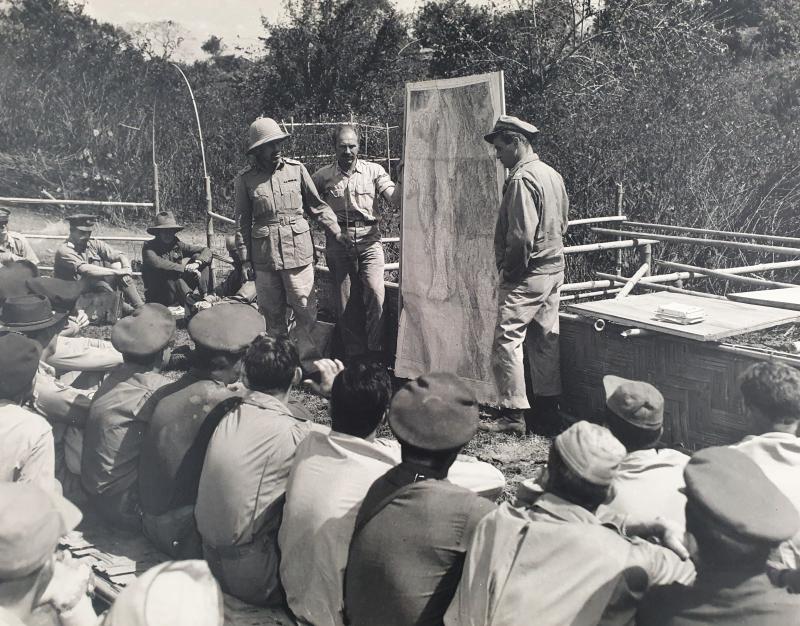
(213, 46)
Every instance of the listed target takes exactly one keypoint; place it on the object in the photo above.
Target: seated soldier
(114, 430)
(184, 416)
(649, 480)
(582, 570)
(175, 593)
(735, 515)
(237, 285)
(320, 514)
(32, 574)
(65, 407)
(414, 526)
(243, 483)
(26, 439)
(94, 262)
(175, 273)
(13, 246)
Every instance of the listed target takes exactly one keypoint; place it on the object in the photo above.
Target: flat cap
(178, 593)
(634, 401)
(729, 488)
(19, 360)
(4, 215)
(437, 411)
(510, 123)
(226, 327)
(145, 331)
(31, 523)
(82, 221)
(63, 294)
(591, 451)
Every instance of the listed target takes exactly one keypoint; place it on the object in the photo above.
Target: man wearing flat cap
(735, 516)
(13, 246)
(649, 480)
(184, 416)
(114, 430)
(414, 526)
(557, 560)
(31, 573)
(273, 198)
(101, 267)
(528, 246)
(174, 272)
(27, 451)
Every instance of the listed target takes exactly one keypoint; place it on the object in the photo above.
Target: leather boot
(544, 418)
(510, 421)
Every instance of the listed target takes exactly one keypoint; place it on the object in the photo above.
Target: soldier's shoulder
(293, 162)
(244, 170)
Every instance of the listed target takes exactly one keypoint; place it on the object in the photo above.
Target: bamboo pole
(632, 281)
(659, 287)
(608, 245)
(754, 247)
(719, 233)
(590, 294)
(76, 202)
(597, 220)
(759, 282)
(101, 237)
(620, 200)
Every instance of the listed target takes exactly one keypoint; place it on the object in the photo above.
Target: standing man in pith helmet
(273, 238)
(529, 251)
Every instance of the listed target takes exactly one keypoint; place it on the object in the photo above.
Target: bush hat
(19, 361)
(636, 402)
(147, 330)
(165, 220)
(62, 294)
(262, 131)
(229, 327)
(31, 524)
(28, 313)
(510, 123)
(591, 451)
(437, 411)
(730, 489)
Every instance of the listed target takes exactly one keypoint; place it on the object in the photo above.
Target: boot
(544, 418)
(510, 421)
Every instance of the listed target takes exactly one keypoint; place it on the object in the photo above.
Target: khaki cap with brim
(264, 130)
(636, 402)
(510, 123)
(146, 331)
(591, 451)
(31, 523)
(82, 221)
(227, 328)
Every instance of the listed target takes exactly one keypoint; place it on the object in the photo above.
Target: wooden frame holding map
(452, 186)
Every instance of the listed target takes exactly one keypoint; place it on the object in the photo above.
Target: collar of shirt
(387, 450)
(773, 436)
(266, 401)
(278, 166)
(553, 506)
(358, 167)
(70, 244)
(408, 472)
(530, 159)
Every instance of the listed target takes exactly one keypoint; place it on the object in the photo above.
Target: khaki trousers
(174, 533)
(527, 313)
(279, 290)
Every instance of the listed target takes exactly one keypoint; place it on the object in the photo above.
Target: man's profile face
(80, 238)
(269, 152)
(347, 148)
(3, 230)
(507, 153)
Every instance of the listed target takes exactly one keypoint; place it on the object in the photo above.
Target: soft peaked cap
(437, 411)
(636, 402)
(226, 327)
(145, 331)
(591, 451)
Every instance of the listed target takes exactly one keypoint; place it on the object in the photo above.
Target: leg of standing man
(298, 284)
(272, 300)
(371, 263)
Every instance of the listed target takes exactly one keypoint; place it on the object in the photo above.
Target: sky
(238, 22)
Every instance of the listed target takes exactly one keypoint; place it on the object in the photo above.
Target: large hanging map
(451, 190)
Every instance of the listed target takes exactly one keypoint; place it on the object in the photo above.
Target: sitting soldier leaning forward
(94, 262)
(174, 272)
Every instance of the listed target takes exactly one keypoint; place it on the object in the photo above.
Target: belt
(283, 221)
(357, 223)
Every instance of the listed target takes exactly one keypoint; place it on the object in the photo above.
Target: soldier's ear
(298, 376)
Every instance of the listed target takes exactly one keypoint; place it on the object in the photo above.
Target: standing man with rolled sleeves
(529, 251)
(352, 187)
(273, 238)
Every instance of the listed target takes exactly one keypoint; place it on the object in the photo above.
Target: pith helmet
(264, 130)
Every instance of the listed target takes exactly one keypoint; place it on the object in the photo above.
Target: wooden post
(388, 151)
(646, 256)
(620, 200)
(156, 200)
(209, 214)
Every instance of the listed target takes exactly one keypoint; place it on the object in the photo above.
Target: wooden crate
(703, 406)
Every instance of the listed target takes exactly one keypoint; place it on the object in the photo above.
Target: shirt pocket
(291, 199)
(297, 249)
(262, 202)
(364, 196)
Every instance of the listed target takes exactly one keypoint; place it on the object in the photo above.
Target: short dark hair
(270, 363)
(343, 127)
(359, 397)
(774, 389)
(631, 436)
(565, 483)
(507, 136)
(146, 360)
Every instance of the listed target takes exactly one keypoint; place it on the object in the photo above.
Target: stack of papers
(680, 313)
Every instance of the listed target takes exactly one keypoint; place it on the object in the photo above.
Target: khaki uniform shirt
(271, 206)
(532, 221)
(84, 354)
(68, 261)
(354, 195)
(27, 452)
(16, 247)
